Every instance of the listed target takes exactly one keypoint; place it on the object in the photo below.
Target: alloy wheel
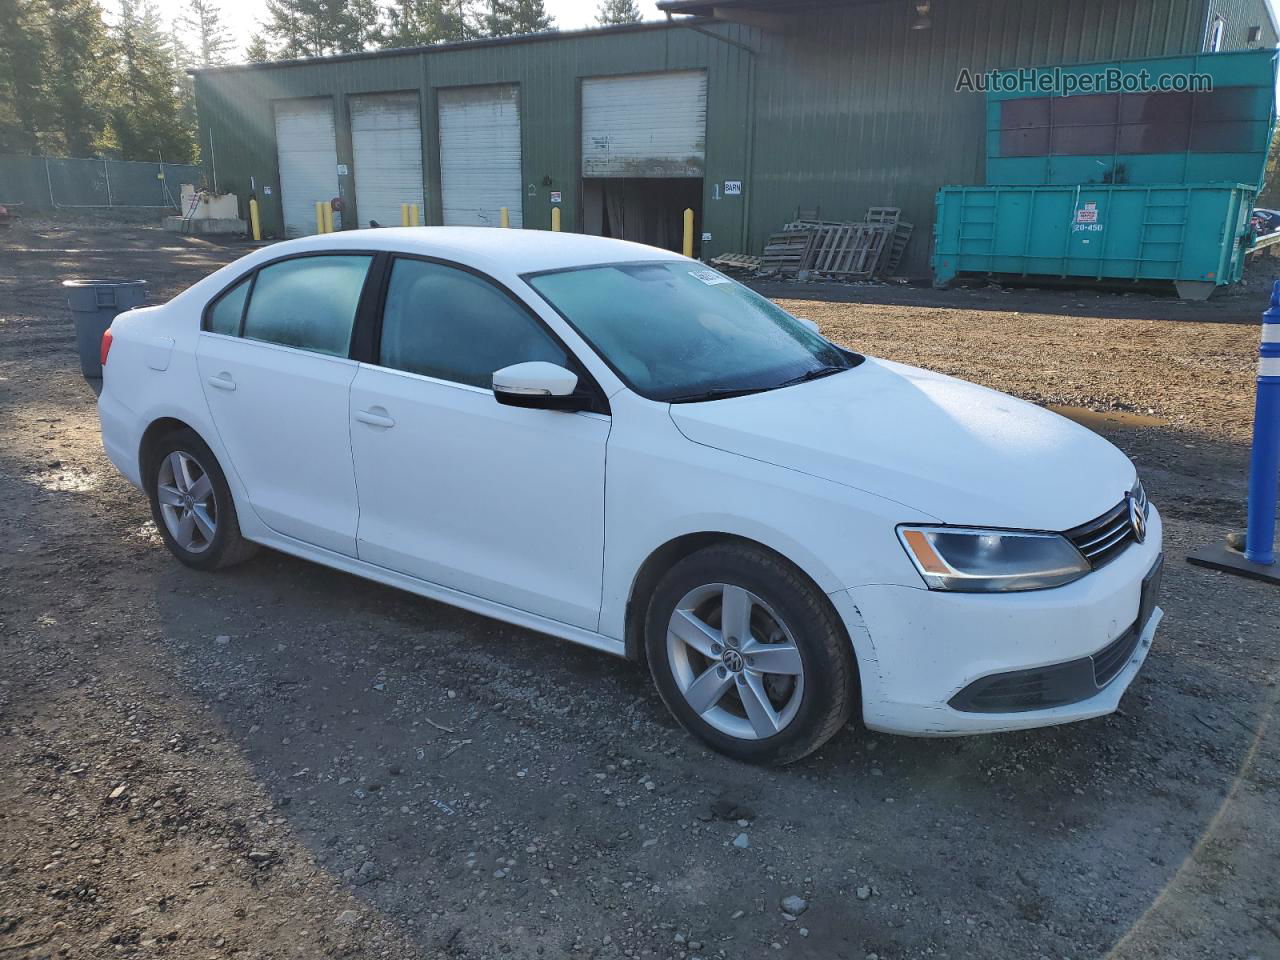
(187, 504)
(735, 661)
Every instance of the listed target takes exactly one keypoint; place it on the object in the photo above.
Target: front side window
(446, 323)
(308, 302)
(677, 332)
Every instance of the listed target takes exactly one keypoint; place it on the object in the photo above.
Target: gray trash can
(94, 304)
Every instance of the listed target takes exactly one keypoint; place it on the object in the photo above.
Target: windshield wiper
(815, 374)
(717, 393)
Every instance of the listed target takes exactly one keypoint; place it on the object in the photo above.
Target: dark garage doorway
(643, 209)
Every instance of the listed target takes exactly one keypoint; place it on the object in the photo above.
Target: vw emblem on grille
(733, 660)
(1137, 520)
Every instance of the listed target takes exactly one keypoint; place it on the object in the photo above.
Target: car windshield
(680, 333)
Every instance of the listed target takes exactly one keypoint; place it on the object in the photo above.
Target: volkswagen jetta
(624, 448)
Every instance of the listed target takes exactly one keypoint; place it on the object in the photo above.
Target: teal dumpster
(1193, 235)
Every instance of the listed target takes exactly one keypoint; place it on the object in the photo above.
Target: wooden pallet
(898, 242)
(849, 251)
(786, 253)
(736, 261)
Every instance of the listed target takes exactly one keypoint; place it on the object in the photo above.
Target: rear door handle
(375, 417)
(222, 381)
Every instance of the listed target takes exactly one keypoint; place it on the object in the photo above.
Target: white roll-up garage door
(308, 161)
(480, 155)
(647, 125)
(386, 147)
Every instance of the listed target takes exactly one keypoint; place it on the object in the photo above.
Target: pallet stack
(832, 249)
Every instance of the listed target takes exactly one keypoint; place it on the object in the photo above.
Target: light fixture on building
(921, 21)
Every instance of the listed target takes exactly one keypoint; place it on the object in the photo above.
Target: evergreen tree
(258, 51)
(146, 116)
(285, 25)
(23, 58)
(78, 77)
(506, 18)
(414, 23)
(317, 28)
(617, 11)
(209, 37)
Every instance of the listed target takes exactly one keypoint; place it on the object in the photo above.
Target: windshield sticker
(709, 277)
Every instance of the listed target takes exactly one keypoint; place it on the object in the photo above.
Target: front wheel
(749, 655)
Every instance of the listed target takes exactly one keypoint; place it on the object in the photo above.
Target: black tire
(830, 672)
(227, 547)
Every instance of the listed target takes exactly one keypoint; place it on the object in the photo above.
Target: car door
(499, 502)
(276, 371)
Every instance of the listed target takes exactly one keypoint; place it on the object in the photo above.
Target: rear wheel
(191, 504)
(748, 654)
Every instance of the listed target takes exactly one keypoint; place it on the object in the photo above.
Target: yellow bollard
(504, 218)
(555, 219)
(319, 217)
(688, 232)
(253, 220)
(328, 218)
(414, 221)
(404, 214)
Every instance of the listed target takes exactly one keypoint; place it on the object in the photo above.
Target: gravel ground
(285, 761)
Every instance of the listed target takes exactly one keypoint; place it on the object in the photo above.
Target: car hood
(956, 451)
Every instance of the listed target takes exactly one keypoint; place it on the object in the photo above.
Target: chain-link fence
(54, 183)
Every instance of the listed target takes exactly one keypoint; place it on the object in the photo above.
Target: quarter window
(449, 324)
(308, 302)
(227, 311)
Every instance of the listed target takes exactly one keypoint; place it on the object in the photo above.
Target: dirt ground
(285, 761)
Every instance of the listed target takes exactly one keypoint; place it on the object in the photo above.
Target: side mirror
(538, 385)
(809, 323)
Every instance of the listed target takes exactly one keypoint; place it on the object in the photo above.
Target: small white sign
(1088, 213)
(709, 277)
(342, 169)
(555, 196)
(266, 191)
(733, 188)
(706, 238)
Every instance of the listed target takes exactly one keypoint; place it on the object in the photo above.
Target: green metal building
(744, 110)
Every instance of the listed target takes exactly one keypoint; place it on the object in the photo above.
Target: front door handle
(222, 381)
(375, 417)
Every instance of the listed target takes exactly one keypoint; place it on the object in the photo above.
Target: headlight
(991, 561)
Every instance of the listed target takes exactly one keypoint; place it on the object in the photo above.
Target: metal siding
(308, 161)
(652, 125)
(480, 156)
(855, 109)
(386, 138)
(1238, 17)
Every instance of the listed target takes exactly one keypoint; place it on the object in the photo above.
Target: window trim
(587, 383)
(375, 259)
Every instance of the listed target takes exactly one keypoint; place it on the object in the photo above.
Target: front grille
(1103, 539)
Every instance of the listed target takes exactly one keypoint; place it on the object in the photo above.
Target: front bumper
(920, 651)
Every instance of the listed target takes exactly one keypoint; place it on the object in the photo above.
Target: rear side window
(452, 325)
(226, 312)
(308, 302)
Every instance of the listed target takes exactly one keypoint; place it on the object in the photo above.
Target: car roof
(493, 250)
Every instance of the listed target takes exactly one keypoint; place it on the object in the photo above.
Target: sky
(241, 16)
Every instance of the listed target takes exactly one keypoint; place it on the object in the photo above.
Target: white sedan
(621, 447)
